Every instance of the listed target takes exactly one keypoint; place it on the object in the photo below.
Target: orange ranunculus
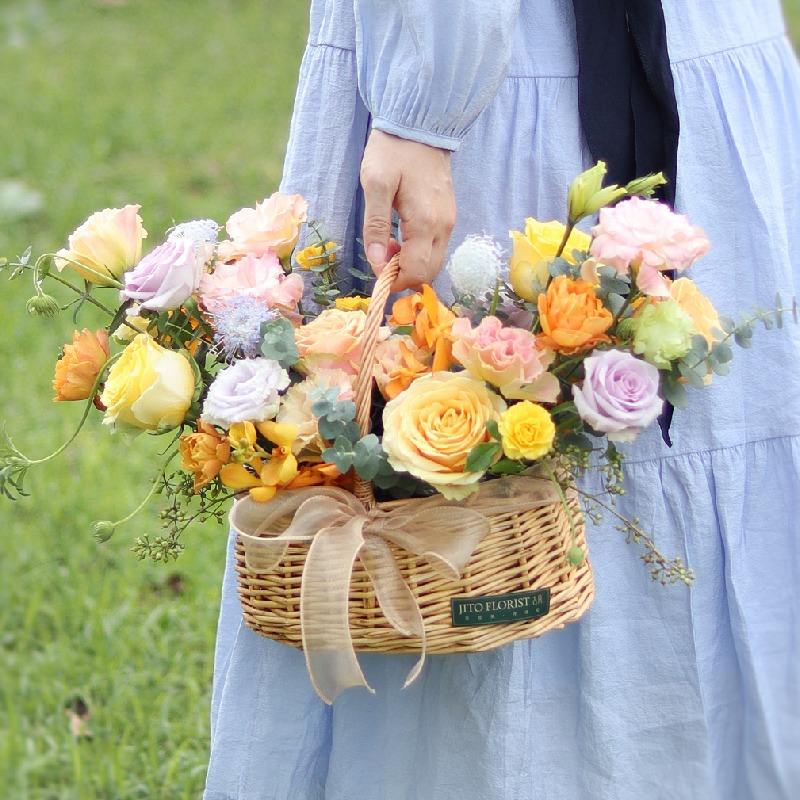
(262, 477)
(430, 321)
(77, 369)
(573, 318)
(204, 453)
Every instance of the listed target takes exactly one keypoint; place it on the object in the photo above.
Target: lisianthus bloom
(474, 267)
(535, 250)
(527, 431)
(263, 477)
(398, 362)
(509, 358)
(351, 303)
(149, 388)
(316, 255)
(203, 453)
(431, 427)
(333, 340)
(80, 364)
(430, 321)
(299, 399)
(572, 317)
(646, 237)
(704, 316)
(105, 246)
(272, 227)
(164, 279)
(618, 395)
(262, 278)
(246, 391)
(662, 332)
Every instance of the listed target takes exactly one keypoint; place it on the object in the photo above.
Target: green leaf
(675, 392)
(728, 325)
(368, 457)
(558, 267)
(506, 466)
(341, 454)
(493, 429)
(691, 375)
(338, 429)
(722, 352)
(481, 456)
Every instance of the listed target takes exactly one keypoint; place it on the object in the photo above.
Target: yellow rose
(527, 431)
(533, 252)
(149, 388)
(431, 427)
(686, 294)
(316, 255)
(105, 246)
(352, 303)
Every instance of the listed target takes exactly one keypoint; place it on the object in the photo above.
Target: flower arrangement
(211, 343)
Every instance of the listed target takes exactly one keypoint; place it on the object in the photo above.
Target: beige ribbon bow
(339, 530)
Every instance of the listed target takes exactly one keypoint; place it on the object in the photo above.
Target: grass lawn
(181, 106)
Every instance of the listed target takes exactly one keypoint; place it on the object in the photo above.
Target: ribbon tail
(327, 643)
(396, 600)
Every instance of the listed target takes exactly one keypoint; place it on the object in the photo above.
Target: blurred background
(182, 107)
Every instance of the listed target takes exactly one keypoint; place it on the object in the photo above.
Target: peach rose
(509, 358)
(333, 340)
(533, 252)
(77, 369)
(105, 246)
(203, 453)
(297, 402)
(572, 317)
(431, 427)
(698, 307)
(273, 226)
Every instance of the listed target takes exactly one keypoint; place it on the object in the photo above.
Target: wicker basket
(524, 551)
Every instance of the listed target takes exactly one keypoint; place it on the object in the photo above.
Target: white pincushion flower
(199, 231)
(475, 267)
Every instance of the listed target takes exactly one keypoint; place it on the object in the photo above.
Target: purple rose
(247, 391)
(165, 278)
(619, 395)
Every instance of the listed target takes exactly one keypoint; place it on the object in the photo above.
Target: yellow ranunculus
(316, 255)
(431, 427)
(80, 364)
(526, 431)
(533, 252)
(149, 388)
(352, 303)
(105, 246)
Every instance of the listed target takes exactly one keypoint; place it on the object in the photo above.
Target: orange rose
(697, 306)
(333, 340)
(204, 453)
(572, 317)
(79, 366)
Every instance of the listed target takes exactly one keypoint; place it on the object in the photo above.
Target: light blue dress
(657, 692)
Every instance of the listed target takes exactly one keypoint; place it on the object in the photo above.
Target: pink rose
(165, 278)
(273, 226)
(619, 394)
(508, 358)
(262, 278)
(398, 362)
(297, 402)
(333, 340)
(649, 237)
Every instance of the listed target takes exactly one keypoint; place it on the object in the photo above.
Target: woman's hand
(415, 180)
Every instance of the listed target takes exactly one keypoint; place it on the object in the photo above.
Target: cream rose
(431, 427)
(105, 246)
(149, 388)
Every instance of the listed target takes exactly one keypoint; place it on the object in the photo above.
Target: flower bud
(575, 556)
(103, 530)
(43, 305)
(587, 195)
(644, 187)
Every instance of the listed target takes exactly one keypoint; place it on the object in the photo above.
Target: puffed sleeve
(427, 68)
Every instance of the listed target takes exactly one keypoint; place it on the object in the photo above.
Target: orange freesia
(79, 366)
(430, 321)
(573, 319)
(261, 477)
(204, 453)
(406, 372)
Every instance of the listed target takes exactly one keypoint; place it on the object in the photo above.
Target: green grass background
(181, 106)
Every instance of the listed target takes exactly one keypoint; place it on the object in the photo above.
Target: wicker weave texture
(523, 551)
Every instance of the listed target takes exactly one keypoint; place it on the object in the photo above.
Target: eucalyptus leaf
(481, 456)
(675, 393)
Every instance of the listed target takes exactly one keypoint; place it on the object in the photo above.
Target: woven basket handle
(380, 294)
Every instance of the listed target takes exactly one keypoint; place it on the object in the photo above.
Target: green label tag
(493, 609)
